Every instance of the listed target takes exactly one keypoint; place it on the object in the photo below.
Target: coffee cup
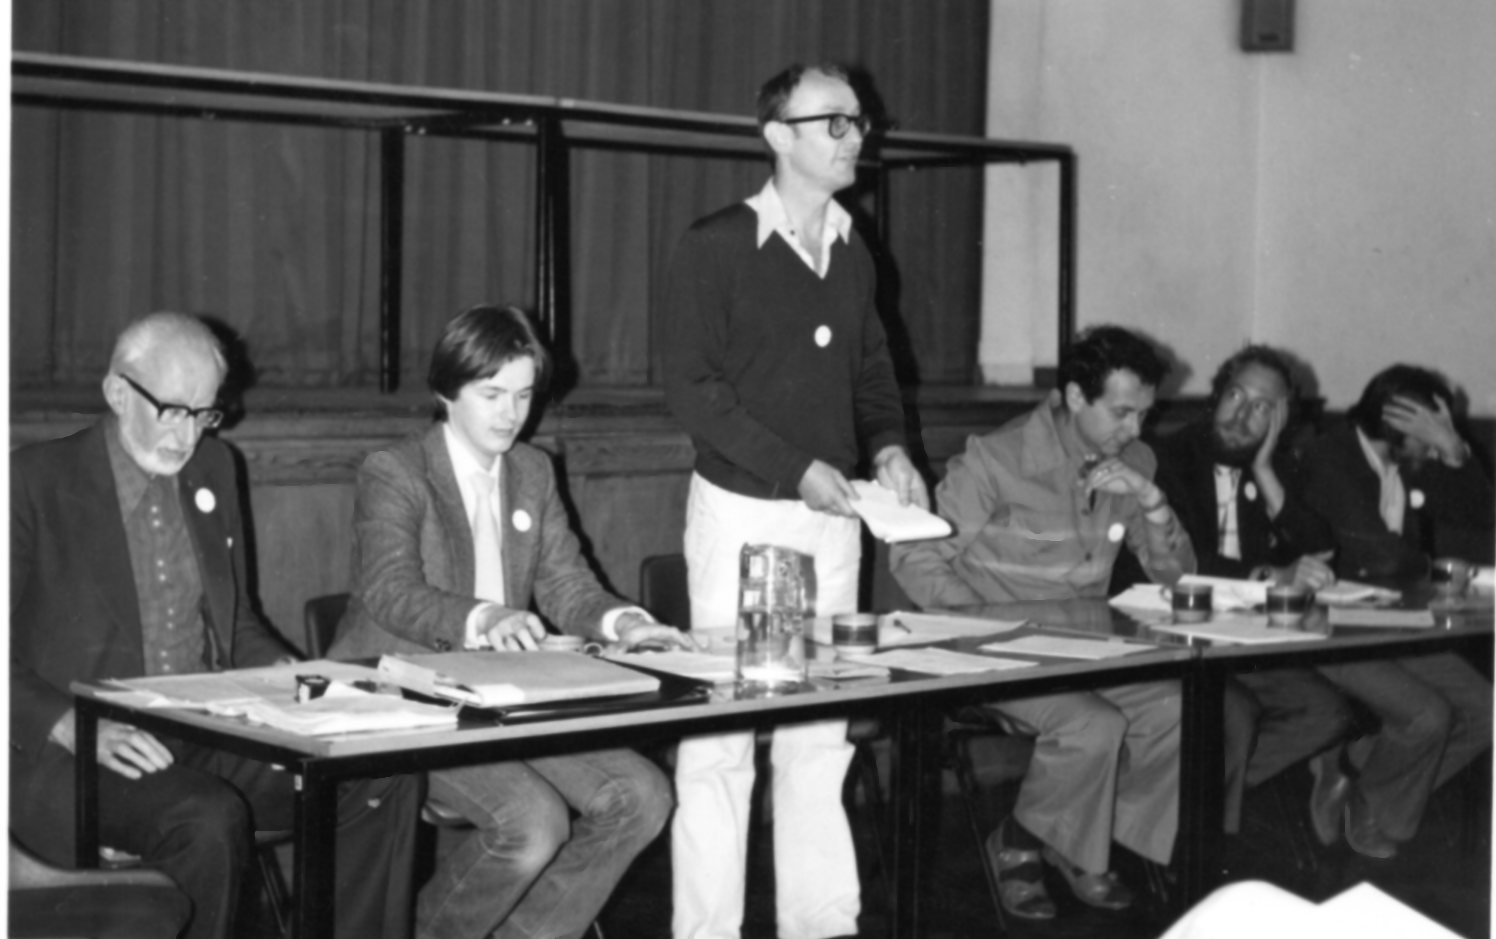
(559, 643)
(854, 633)
(1450, 576)
(1192, 602)
(1287, 604)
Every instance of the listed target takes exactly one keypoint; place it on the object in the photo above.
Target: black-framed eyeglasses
(174, 414)
(837, 124)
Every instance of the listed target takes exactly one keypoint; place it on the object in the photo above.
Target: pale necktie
(488, 562)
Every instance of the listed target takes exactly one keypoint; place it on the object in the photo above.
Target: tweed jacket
(413, 552)
(74, 613)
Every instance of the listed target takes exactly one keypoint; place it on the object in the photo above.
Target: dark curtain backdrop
(274, 231)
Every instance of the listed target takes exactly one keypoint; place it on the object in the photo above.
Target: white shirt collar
(464, 465)
(773, 218)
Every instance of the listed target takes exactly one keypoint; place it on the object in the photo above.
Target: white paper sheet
(942, 661)
(1377, 618)
(1068, 647)
(892, 522)
(1237, 630)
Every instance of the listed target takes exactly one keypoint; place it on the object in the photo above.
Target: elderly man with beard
(1398, 485)
(1234, 487)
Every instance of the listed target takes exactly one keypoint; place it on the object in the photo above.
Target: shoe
(1332, 787)
(1103, 891)
(1363, 835)
(1020, 878)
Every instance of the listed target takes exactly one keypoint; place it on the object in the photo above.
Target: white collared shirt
(772, 218)
(464, 464)
(1227, 480)
(1393, 502)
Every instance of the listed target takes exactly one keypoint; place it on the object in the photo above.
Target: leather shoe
(1363, 835)
(1020, 878)
(1332, 787)
(1103, 891)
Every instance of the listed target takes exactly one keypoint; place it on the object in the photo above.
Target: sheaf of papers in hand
(941, 661)
(900, 628)
(1380, 618)
(891, 522)
(1068, 647)
(702, 666)
(1483, 580)
(1237, 630)
(502, 679)
(1348, 591)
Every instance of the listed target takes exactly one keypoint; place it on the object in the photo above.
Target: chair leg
(275, 889)
(959, 759)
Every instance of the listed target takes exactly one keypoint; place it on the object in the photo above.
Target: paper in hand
(891, 522)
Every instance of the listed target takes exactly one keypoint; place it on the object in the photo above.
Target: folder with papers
(502, 679)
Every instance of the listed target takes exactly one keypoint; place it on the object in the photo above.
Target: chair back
(322, 616)
(663, 591)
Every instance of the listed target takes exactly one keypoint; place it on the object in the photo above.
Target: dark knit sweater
(744, 372)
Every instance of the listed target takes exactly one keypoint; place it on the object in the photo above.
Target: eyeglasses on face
(837, 124)
(174, 414)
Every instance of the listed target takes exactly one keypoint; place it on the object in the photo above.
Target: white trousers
(816, 887)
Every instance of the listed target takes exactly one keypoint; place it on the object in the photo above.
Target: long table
(910, 705)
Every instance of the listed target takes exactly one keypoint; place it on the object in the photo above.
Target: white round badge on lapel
(204, 501)
(1115, 532)
(1251, 490)
(522, 520)
(823, 336)
(1415, 498)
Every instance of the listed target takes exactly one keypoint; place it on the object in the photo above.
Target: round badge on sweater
(1115, 532)
(204, 501)
(1415, 498)
(522, 520)
(1251, 490)
(823, 336)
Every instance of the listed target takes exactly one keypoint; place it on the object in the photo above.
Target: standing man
(1399, 485)
(1232, 482)
(457, 531)
(777, 365)
(127, 559)
(1041, 507)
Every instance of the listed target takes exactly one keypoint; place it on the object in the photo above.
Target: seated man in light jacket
(1041, 507)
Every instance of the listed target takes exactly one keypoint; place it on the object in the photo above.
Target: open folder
(502, 679)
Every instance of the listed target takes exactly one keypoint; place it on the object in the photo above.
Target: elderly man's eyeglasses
(837, 124)
(174, 414)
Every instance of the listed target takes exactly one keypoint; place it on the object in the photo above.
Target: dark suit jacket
(1186, 474)
(413, 552)
(1456, 512)
(73, 608)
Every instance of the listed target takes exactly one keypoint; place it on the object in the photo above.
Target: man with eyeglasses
(127, 559)
(777, 365)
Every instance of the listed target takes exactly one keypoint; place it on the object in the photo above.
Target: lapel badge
(1115, 532)
(1251, 490)
(1415, 498)
(823, 336)
(204, 501)
(522, 520)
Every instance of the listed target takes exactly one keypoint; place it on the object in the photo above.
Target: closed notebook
(503, 679)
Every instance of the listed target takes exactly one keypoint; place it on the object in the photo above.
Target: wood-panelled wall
(625, 468)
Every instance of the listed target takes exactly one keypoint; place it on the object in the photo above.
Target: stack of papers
(942, 661)
(268, 696)
(1069, 647)
(892, 522)
(702, 666)
(1380, 618)
(1237, 630)
(1345, 592)
(1146, 598)
(901, 628)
